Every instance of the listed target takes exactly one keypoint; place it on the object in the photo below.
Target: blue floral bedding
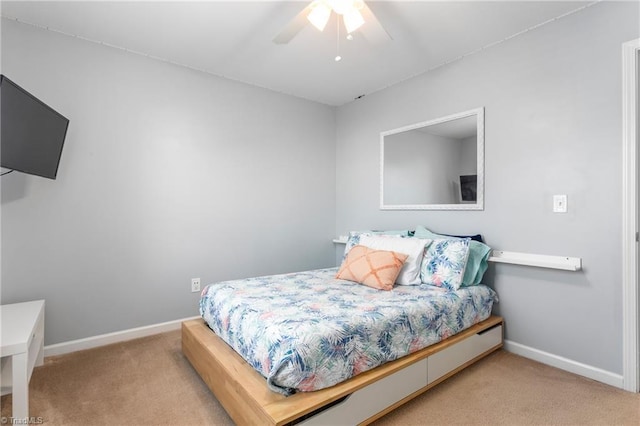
(307, 331)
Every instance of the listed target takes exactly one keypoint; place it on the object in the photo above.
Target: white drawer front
(374, 398)
(453, 357)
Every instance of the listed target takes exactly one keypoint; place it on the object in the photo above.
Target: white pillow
(412, 247)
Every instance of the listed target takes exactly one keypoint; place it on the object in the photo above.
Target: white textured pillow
(412, 247)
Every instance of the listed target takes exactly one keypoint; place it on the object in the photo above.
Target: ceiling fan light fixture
(319, 15)
(352, 20)
(357, 4)
(341, 6)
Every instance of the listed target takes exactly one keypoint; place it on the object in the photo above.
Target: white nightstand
(21, 348)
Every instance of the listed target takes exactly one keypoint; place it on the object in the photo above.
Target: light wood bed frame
(244, 393)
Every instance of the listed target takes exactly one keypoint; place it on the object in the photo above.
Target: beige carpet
(148, 382)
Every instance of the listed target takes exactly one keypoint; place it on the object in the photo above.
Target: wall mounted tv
(31, 133)
(469, 188)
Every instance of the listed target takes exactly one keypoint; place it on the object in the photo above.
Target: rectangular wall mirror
(434, 165)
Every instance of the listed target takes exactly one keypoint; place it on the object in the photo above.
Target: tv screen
(31, 133)
(469, 187)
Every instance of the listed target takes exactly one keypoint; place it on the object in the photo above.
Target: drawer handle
(480, 333)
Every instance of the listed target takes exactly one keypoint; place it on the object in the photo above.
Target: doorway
(630, 185)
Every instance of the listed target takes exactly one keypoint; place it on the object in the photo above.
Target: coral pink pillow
(374, 268)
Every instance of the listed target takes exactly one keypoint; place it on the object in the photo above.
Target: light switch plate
(560, 203)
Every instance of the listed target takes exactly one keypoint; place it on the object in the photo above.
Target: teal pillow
(422, 232)
(478, 256)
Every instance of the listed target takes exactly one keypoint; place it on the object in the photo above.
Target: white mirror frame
(479, 204)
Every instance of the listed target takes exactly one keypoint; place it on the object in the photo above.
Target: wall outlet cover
(560, 203)
(195, 285)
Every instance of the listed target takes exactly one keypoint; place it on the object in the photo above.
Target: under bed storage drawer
(447, 360)
(370, 400)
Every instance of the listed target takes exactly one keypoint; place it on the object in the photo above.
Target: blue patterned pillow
(478, 256)
(444, 263)
(354, 238)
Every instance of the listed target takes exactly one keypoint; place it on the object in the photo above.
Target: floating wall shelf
(537, 260)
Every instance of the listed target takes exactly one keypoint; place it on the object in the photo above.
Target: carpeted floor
(148, 382)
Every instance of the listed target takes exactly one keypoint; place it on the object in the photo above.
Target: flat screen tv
(469, 188)
(31, 133)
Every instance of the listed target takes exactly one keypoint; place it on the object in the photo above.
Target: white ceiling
(233, 38)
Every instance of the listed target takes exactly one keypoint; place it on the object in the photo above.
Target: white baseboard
(109, 338)
(513, 347)
(566, 364)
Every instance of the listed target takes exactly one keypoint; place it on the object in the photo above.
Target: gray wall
(469, 156)
(166, 174)
(417, 168)
(552, 99)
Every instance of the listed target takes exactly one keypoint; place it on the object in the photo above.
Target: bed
(241, 348)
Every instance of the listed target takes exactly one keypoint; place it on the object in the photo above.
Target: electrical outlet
(195, 285)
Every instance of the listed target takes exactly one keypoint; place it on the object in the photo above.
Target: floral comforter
(307, 331)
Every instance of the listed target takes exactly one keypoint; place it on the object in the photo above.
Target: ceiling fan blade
(293, 27)
(373, 30)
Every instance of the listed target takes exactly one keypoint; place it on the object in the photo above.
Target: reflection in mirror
(434, 165)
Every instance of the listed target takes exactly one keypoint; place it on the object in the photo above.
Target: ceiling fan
(355, 14)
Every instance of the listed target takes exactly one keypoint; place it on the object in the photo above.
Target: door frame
(630, 291)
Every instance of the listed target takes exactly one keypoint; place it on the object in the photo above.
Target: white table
(21, 349)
